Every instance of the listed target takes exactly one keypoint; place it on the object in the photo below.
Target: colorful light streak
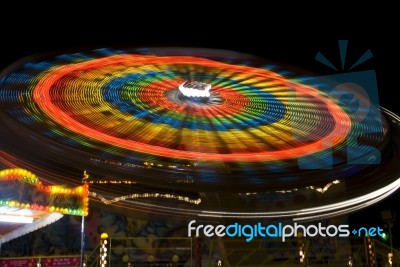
(52, 191)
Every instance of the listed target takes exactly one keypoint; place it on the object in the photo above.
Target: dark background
(289, 40)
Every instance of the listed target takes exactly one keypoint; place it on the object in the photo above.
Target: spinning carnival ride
(197, 132)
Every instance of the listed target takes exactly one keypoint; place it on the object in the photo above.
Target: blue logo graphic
(357, 93)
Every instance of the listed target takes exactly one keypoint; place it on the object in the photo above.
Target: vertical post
(83, 241)
(103, 249)
(191, 251)
(390, 255)
(301, 247)
(371, 256)
(389, 219)
(390, 236)
(197, 251)
(350, 262)
(390, 259)
(84, 179)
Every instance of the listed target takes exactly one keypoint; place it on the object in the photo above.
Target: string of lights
(51, 198)
(145, 195)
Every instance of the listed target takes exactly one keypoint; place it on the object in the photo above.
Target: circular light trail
(52, 91)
